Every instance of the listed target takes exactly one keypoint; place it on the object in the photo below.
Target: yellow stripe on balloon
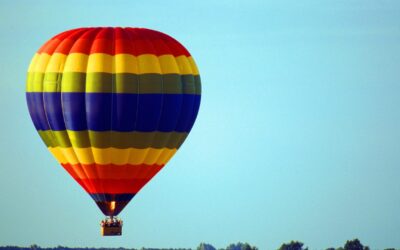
(115, 156)
(150, 156)
(195, 70)
(120, 63)
(40, 63)
(76, 62)
(100, 62)
(33, 63)
(168, 64)
(57, 154)
(184, 65)
(148, 64)
(165, 156)
(64, 155)
(126, 63)
(56, 63)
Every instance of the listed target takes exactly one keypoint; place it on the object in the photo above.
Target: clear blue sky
(297, 136)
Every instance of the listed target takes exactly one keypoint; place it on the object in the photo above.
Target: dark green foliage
(205, 246)
(355, 245)
(241, 246)
(293, 245)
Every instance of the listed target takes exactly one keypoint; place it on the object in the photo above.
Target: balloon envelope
(113, 105)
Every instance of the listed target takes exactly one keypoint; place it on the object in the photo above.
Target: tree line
(354, 244)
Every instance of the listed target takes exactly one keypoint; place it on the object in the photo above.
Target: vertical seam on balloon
(112, 97)
(192, 118)
(98, 195)
(87, 127)
(150, 41)
(181, 106)
(194, 114)
(89, 182)
(139, 34)
(125, 165)
(59, 73)
(112, 82)
(169, 134)
(42, 94)
(131, 33)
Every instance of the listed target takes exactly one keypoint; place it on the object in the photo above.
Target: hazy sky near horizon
(297, 136)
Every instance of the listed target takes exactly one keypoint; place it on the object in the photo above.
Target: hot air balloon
(113, 105)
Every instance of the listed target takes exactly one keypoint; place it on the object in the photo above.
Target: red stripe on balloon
(112, 179)
(112, 186)
(111, 171)
(134, 41)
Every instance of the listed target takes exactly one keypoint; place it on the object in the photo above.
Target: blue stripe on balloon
(196, 106)
(36, 110)
(53, 108)
(102, 197)
(113, 111)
